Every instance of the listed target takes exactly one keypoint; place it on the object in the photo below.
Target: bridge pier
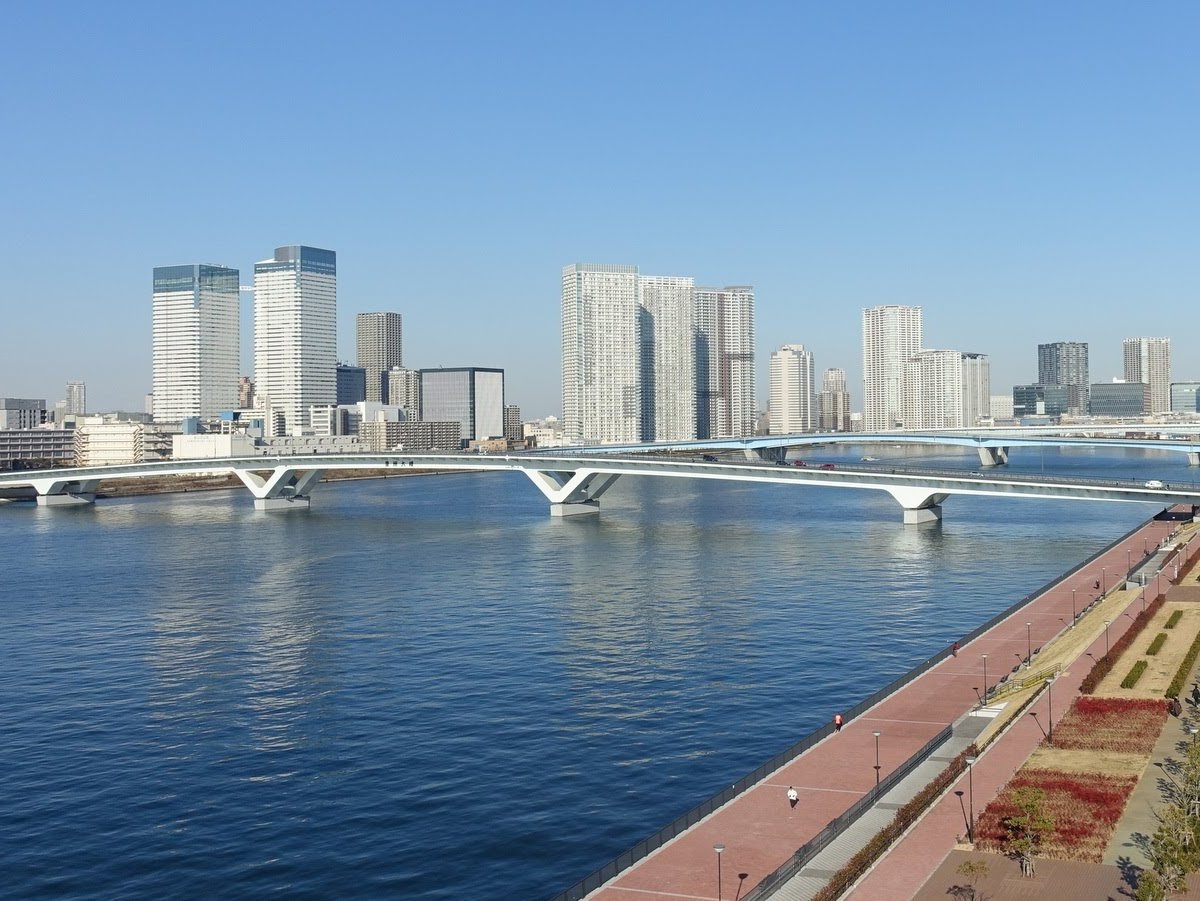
(286, 488)
(767, 454)
(993, 456)
(572, 493)
(66, 493)
(920, 506)
(1193, 458)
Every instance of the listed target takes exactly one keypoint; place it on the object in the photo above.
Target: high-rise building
(791, 390)
(76, 398)
(471, 396)
(1066, 363)
(833, 404)
(891, 335)
(404, 390)
(380, 338)
(945, 389)
(351, 384)
(196, 327)
(1148, 360)
(513, 428)
(668, 357)
(245, 392)
(295, 334)
(601, 346)
(725, 362)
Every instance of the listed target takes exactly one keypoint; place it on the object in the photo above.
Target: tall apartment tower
(833, 404)
(295, 334)
(403, 390)
(1066, 363)
(668, 357)
(196, 327)
(725, 362)
(945, 389)
(891, 335)
(77, 398)
(791, 398)
(1148, 360)
(601, 348)
(380, 347)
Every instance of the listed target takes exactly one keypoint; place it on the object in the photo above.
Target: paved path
(759, 829)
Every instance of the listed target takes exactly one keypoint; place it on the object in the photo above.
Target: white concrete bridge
(574, 484)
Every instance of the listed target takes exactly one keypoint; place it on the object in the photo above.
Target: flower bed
(1134, 674)
(1156, 645)
(1104, 665)
(1125, 725)
(1174, 619)
(1085, 808)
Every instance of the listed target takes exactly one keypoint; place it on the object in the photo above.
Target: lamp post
(1103, 579)
(1192, 730)
(963, 806)
(1074, 615)
(1128, 559)
(718, 848)
(877, 734)
(1106, 638)
(985, 687)
(971, 788)
(1050, 708)
(1028, 644)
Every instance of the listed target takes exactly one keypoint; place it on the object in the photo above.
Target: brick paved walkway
(760, 831)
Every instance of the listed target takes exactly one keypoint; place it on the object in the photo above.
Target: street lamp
(1192, 730)
(877, 734)
(963, 805)
(1074, 615)
(1106, 638)
(718, 848)
(1050, 706)
(971, 788)
(985, 686)
(1103, 579)
(1028, 643)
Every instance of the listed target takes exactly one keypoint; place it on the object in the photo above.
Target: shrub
(1156, 645)
(1135, 673)
(1181, 675)
(1174, 620)
(1125, 725)
(1084, 807)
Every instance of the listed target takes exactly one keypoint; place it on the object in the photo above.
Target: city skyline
(996, 167)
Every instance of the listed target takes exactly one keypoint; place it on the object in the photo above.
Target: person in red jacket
(837, 722)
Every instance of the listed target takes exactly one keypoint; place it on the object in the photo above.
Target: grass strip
(1174, 620)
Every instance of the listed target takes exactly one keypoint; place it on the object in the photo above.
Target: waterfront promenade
(760, 830)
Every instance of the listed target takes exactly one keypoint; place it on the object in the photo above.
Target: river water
(427, 688)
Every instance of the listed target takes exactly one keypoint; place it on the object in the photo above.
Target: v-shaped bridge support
(286, 488)
(571, 493)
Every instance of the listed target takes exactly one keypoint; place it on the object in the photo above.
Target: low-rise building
(417, 437)
(36, 448)
(108, 442)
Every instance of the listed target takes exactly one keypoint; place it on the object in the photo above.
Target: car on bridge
(828, 466)
(1155, 483)
(709, 458)
(799, 463)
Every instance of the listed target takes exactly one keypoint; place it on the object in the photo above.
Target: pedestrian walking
(793, 796)
(954, 649)
(1195, 693)
(837, 722)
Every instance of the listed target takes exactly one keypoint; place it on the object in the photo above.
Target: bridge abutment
(577, 508)
(1193, 458)
(918, 516)
(65, 500)
(280, 504)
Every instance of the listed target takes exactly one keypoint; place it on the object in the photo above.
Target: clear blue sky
(1026, 172)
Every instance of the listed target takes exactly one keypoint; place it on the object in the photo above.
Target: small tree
(1027, 827)
(1171, 855)
(971, 871)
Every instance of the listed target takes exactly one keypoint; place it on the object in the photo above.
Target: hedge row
(1156, 645)
(1185, 669)
(1104, 665)
(1134, 674)
(857, 865)
(1174, 620)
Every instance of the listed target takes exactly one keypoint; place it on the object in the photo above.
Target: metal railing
(839, 824)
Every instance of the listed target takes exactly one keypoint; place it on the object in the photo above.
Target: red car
(799, 463)
(827, 466)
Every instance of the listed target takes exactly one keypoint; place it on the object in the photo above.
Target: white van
(1155, 483)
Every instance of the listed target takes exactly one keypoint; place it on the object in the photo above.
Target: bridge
(992, 444)
(574, 484)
